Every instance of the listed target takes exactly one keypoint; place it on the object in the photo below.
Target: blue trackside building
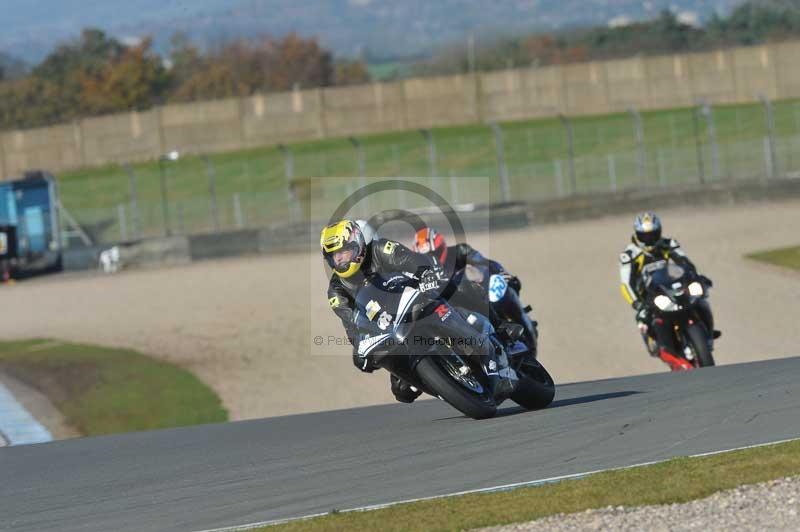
(30, 233)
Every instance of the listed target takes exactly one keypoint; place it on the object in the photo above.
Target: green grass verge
(535, 152)
(675, 481)
(101, 390)
(786, 257)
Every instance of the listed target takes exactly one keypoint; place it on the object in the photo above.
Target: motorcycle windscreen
(663, 273)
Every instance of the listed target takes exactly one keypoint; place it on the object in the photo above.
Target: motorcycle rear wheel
(468, 402)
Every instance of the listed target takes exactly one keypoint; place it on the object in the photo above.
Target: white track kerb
(17, 425)
(505, 487)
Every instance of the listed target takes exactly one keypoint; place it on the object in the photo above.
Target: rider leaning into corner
(464, 266)
(354, 253)
(649, 248)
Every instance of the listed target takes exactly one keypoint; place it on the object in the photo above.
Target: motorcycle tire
(535, 389)
(469, 403)
(698, 338)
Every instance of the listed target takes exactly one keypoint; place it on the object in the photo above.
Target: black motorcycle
(410, 333)
(679, 296)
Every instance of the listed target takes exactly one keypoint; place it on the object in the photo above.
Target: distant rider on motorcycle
(649, 251)
(353, 252)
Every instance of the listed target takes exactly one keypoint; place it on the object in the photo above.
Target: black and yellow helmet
(647, 230)
(344, 245)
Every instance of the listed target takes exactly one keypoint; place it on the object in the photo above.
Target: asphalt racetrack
(237, 473)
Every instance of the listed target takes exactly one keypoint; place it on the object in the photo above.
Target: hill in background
(29, 29)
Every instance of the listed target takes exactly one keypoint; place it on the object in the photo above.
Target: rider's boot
(403, 391)
(530, 327)
(502, 377)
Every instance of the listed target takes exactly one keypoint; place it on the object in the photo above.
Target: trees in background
(756, 22)
(751, 23)
(134, 79)
(97, 74)
(245, 67)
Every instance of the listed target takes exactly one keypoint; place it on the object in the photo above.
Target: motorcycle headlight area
(695, 289)
(666, 304)
(402, 331)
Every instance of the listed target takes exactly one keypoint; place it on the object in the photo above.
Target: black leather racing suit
(384, 257)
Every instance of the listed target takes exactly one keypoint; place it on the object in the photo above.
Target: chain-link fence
(526, 161)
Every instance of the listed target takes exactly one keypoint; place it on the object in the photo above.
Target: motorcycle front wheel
(698, 340)
(465, 393)
(535, 389)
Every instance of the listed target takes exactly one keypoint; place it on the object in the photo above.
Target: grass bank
(251, 186)
(786, 257)
(675, 481)
(100, 390)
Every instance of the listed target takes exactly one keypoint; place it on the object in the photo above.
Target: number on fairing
(497, 288)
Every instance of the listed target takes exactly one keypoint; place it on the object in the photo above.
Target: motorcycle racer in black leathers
(463, 265)
(649, 250)
(353, 253)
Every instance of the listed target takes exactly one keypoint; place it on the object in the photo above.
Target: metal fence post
(559, 178)
(164, 201)
(288, 161)
(773, 156)
(768, 159)
(708, 113)
(638, 132)
(212, 192)
(359, 147)
(571, 152)
(502, 169)
(698, 145)
(123, 226)
(431, 151)
(612, 172)
(171, 156)
(288, 167)
(237, 211)
(362, 169)
(136, 228)
(453, 188)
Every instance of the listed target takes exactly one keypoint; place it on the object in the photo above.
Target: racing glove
(403, 391)
(513, 281)
(363, 363)
(643, 319)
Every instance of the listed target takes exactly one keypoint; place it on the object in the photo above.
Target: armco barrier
(225, 244)
(720, 193)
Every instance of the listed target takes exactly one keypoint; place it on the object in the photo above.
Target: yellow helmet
(344, 246)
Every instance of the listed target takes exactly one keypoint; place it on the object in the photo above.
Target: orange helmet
(429, 241)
